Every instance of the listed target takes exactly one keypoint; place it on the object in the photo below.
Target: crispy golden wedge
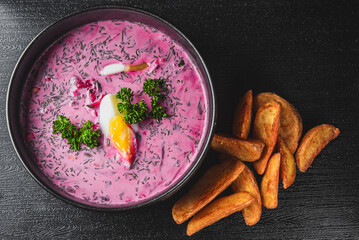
(312, 143)
(219, 209)
(290, 121)
(265, 129)
(246, 182)
(269, 185)
(288, 167)
(245, 150)
(243, 117)
(212, 183)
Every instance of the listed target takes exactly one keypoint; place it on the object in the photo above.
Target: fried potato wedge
(245, 150)
(288, 168)
(269, 184)
(265, 129)
(212, 183)
(290, 121)
(312, 143)
(246, 182)
(243, 117)
(219, 209)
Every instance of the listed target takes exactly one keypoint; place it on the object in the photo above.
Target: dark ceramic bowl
(50, 35)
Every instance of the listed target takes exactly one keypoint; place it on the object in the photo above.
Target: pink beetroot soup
(66, 81)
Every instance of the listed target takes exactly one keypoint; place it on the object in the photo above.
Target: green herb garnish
(157, 90)
(88, 136)
(125, 95)
(133, 113)
(75, 137)
(181, 63)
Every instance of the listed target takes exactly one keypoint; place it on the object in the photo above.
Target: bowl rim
(163, 195)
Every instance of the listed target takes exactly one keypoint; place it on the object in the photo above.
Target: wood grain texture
(306, 52)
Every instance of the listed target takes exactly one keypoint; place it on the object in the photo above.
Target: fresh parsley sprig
(157, 112)
(75, 137)
(125, 95)
(88, 136)
(157, 90)
(133, 113)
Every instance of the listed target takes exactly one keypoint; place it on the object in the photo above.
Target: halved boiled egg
(114, 127)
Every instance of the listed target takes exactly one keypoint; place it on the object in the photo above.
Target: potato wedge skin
(265, 129)
(219, 209)
(312, 143)
(288, 168)
(291, 126)
(270, 181)
(245, 150)
(246, 182)
(212, 183)
(243, 117)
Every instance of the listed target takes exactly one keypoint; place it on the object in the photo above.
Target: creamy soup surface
(66, 81)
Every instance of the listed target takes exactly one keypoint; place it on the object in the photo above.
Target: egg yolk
(122, 136)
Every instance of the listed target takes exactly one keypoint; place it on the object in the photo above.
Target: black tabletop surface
(307, 52)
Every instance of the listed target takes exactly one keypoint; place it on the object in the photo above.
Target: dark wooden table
(307, 52)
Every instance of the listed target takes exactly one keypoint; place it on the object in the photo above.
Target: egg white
(108, 110)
